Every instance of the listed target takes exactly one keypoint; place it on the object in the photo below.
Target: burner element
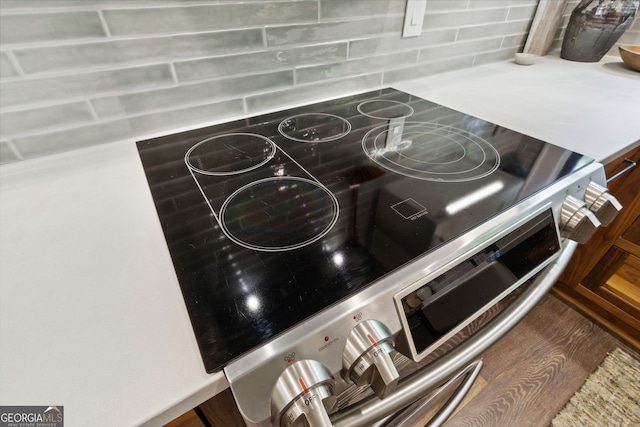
(277, 214)
(314, 127)
(430, 151)
(230, 154)
(385, 109)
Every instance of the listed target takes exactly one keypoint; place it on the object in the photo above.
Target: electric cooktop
(273, 218)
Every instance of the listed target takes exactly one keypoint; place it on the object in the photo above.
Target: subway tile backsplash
(79, 73)
(359, 8)
(284, 35)
(45, 118)
(114, 130)
(317, 73)
(118, 53)
(25, 93)
(50, 27)
(196, 93)
(206, 17)
(262, 61)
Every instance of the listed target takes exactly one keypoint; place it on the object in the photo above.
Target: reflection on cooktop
(430, 151)
(272, 218)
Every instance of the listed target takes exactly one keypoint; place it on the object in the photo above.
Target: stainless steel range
(346, 260)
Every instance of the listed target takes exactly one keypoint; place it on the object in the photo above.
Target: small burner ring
(385, 109)
(230, 154)
(314, 127)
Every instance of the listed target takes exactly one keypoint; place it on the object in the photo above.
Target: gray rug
(609, 397)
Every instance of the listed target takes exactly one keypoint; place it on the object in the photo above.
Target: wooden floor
(532, 372)
(527, 376)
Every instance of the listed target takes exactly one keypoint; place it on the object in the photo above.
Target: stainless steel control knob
(602, 203)
(367, 358)
(577, 222)
(303, 395)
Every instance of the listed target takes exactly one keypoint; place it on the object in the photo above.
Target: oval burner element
(431, 152)
(230, 154)
(314, 127)
(385, 109)
(278, 214)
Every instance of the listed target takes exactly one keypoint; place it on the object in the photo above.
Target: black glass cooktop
(270, 219)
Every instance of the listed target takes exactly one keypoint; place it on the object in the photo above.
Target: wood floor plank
(529, 384)
(533, 328)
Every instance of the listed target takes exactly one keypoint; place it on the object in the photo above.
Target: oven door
(456, 369)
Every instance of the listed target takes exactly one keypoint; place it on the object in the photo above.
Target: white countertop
(590, 108)
(91, 314)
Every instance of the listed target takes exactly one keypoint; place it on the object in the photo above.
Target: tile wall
(75, 73)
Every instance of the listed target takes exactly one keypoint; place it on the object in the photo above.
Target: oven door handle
(432, 376)
(460, 385)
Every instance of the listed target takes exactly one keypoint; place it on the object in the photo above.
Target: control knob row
(602, 203)
(367, 358)
(580, 219)
(303, 394)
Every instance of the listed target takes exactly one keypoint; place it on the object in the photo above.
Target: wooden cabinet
(188, 419)
(219, 411)
(603, 278)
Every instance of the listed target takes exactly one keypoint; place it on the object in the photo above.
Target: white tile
(334, 31)
(163, 20)
(259, 61)
(188, 94)
(34, 27)
(427, 68)
(140, 126)
(369, 64)
(38, 119)
(35, 91)
(497, 29)
(300, 94)
(464, 18)
(389, 44)
(459, 49)
(120, 53)
(331, 9)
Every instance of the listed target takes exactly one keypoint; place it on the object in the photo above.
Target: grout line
(105, 27)
(15, 63)
(174, 75)
(92, 110)
(245, 105)
(14, 149)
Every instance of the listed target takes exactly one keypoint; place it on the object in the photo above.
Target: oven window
(456, 296)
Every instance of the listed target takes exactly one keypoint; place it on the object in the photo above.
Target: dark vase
(595, 26)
